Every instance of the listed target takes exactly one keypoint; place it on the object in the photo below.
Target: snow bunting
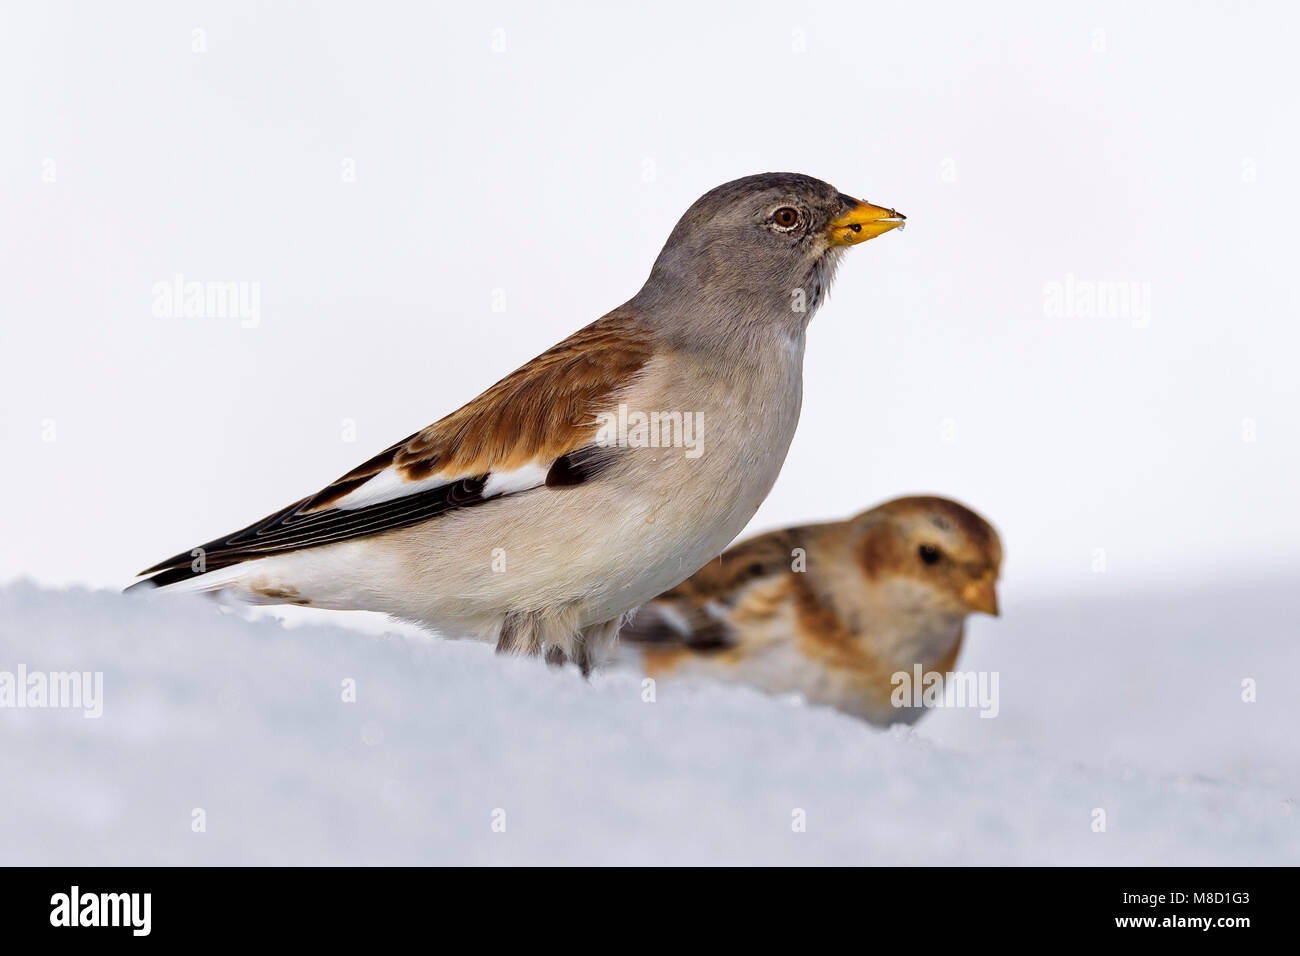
(602, 472)
(830, 611)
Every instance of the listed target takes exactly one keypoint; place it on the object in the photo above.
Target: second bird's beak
(863, 221)
(982, 595)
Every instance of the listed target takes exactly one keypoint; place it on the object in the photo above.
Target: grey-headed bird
(601, 473)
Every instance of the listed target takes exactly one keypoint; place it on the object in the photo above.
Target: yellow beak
(864, 221)
(982, 595)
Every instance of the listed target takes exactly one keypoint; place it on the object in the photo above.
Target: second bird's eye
(787, 217)
(929, 553)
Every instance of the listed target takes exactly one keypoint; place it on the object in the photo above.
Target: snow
(1133, 707)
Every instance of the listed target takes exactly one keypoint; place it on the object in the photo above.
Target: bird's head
(767, 243)
(931, 555)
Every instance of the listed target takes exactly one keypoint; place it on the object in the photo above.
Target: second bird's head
(765, 242)
(926, 555)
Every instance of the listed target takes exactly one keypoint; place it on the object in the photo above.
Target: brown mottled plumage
(831, 611)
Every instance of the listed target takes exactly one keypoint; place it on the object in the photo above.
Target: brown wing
(542, 415)
(537, 413)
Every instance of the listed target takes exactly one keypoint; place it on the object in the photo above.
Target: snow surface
(1133, 707)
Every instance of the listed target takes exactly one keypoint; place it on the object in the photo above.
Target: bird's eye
(787, 217)
(929, 553)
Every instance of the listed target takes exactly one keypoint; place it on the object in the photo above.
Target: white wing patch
(386, 486)
(674, 618)
(718, 611)
(389, 485)
(521, 479)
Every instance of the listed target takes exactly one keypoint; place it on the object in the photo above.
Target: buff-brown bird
(830, 611)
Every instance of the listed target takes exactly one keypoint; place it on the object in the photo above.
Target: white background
(1154, 144)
